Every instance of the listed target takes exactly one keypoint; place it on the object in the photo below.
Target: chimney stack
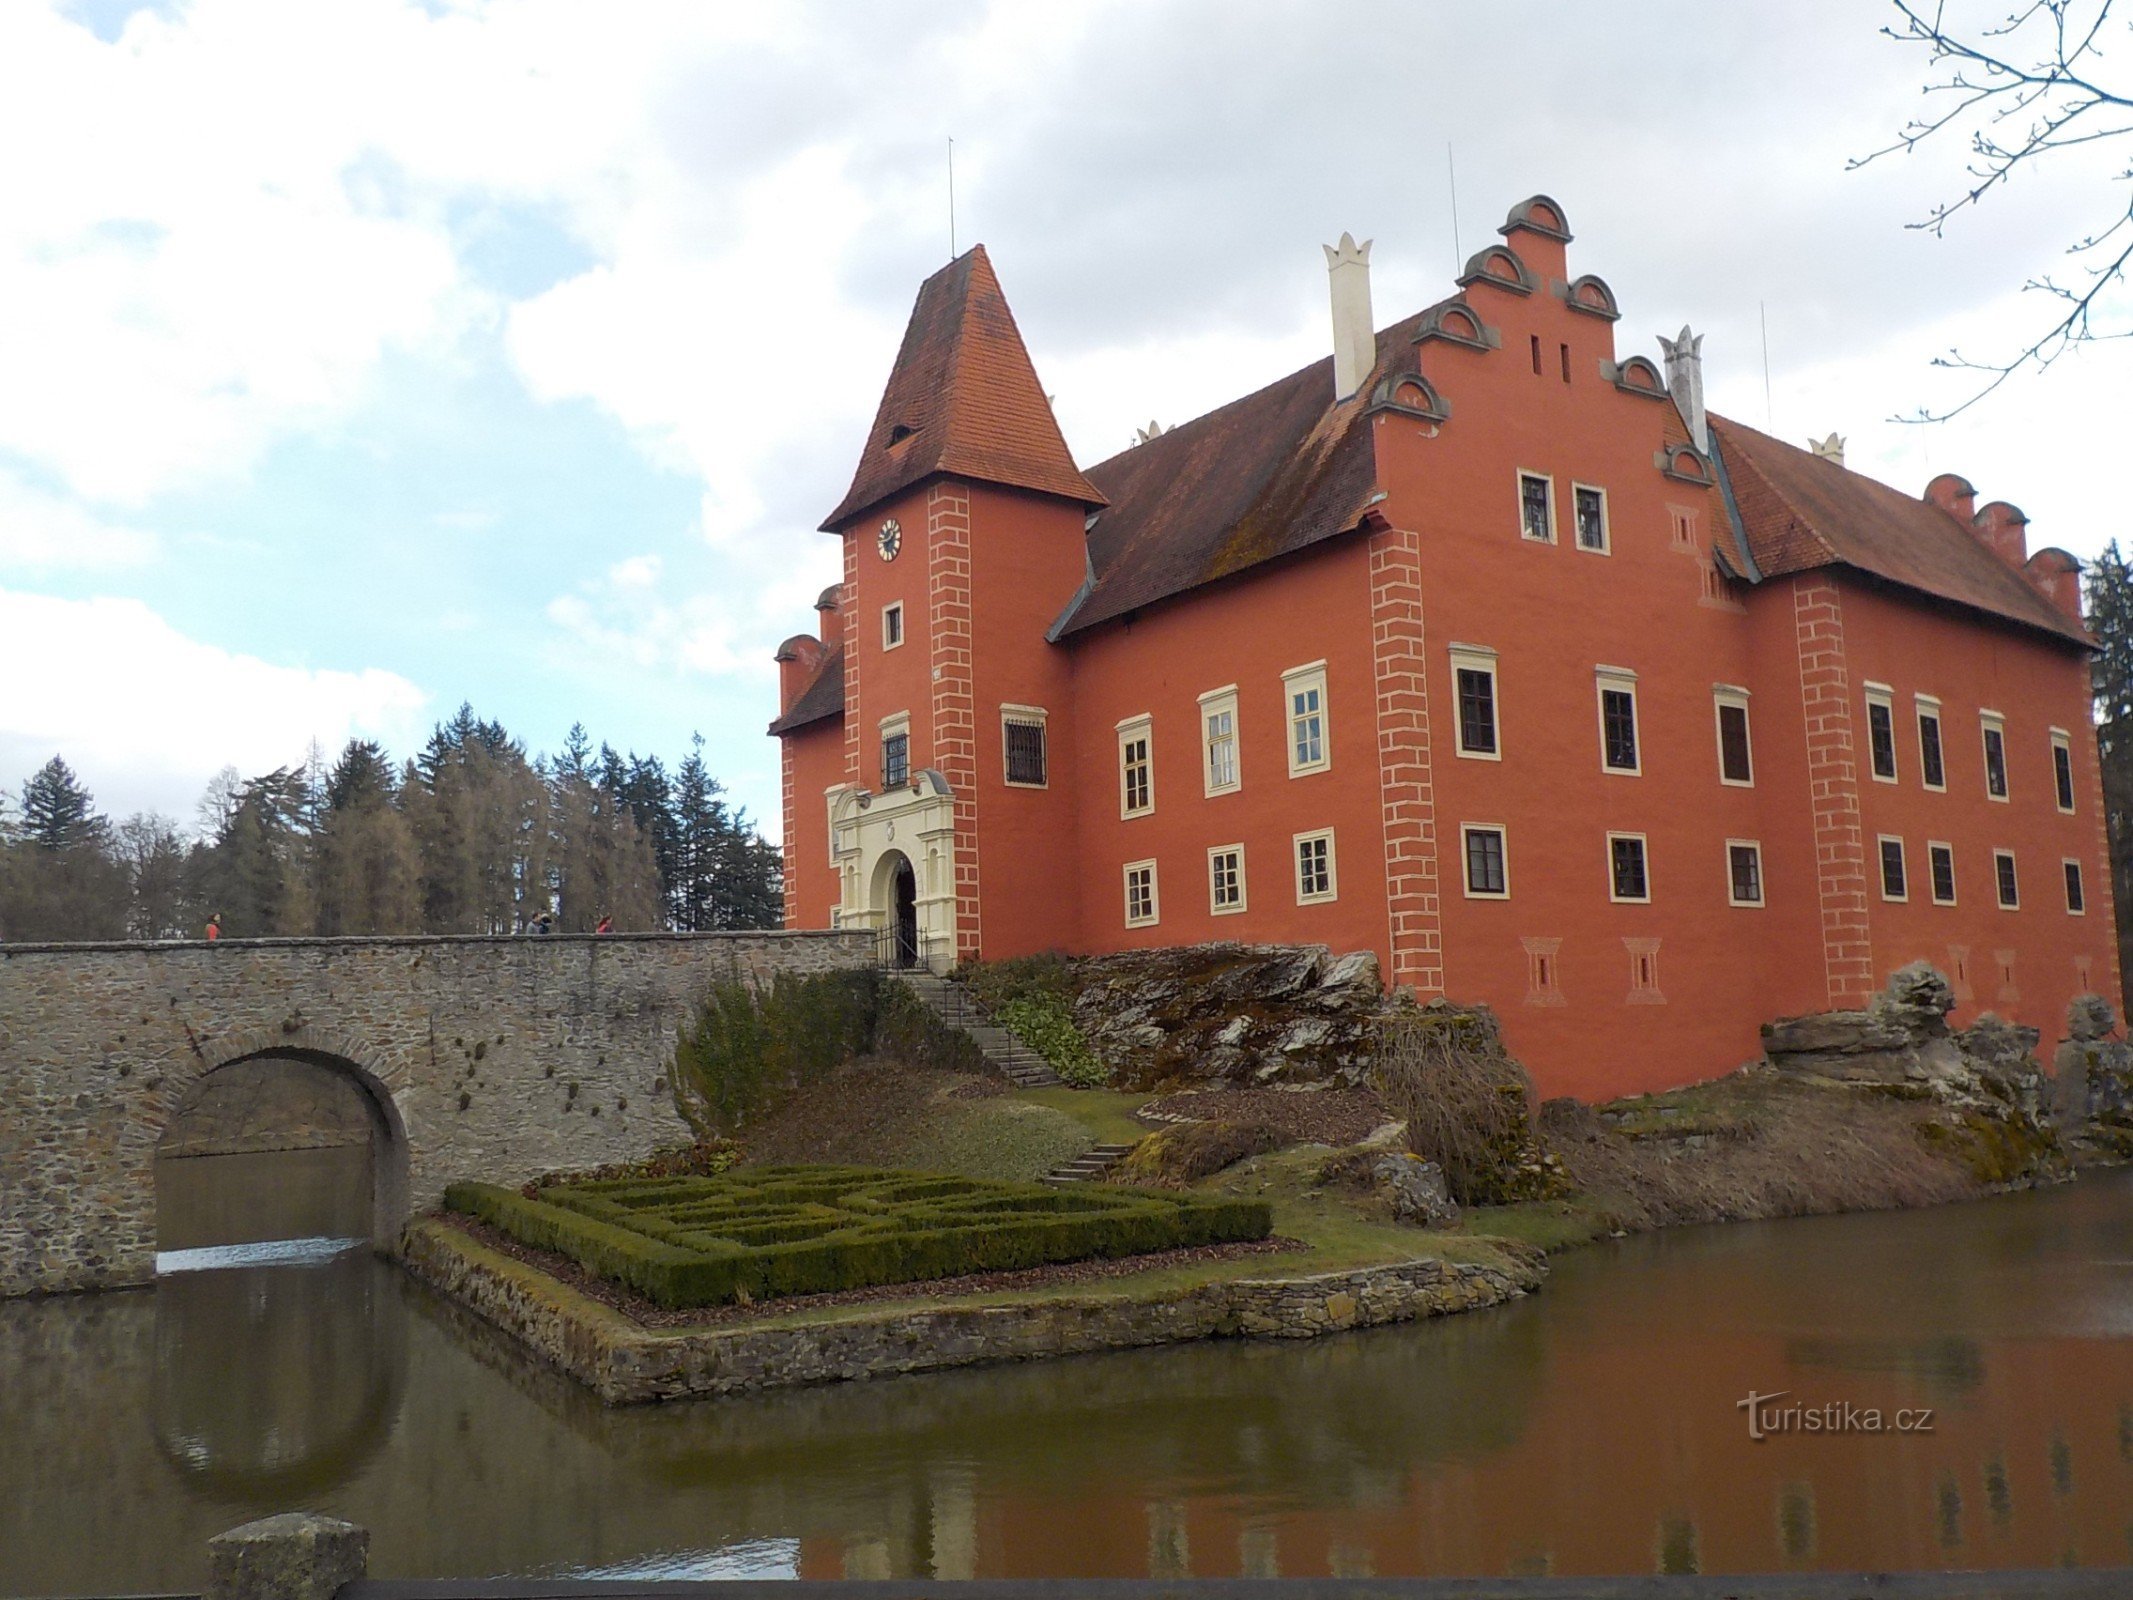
(1355, 333)
(1830, 449)
(828, 624)
(1684, 381)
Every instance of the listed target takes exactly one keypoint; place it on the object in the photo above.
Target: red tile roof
(822, 698)
(1800, 511)
(963, 398)
(1262, 477)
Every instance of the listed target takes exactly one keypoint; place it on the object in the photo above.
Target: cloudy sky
(358, 358)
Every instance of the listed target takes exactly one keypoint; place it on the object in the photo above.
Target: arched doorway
(280, 1146)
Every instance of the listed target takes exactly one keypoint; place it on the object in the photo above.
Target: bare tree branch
(2027, 88)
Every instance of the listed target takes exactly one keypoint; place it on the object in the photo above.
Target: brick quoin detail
(1406, 798)
(1833, 784)
(955, 739)
(850, 613)
(792, 834)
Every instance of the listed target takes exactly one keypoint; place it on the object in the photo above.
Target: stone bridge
(496, 1057)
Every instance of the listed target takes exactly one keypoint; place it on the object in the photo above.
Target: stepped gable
(1799, 511)
(1260, 478)
(963, 399)
(821, 699)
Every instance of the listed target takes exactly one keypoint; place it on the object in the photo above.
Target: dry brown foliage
(1468, 1104)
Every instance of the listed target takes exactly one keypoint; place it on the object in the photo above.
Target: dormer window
(899, 432)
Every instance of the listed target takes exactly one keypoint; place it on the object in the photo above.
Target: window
(1141, 908)
(1225, 879)
(1736, 760)
(1536, 507)
(1486, 875)
(1218, 739)
(2063, 769)
(1136, 767)
(1932, 766)
(895, 751)
(1543, 972)
(1881, 733)
(1022, 745)
(1310, 747)
(1627, 878)
(1684, 522)
(2003, 872)
(1590, 507)
(1643, 973)
(2076, 901)
(1618, 719)
(1315, 878)
(1895, 885)
(1995, 730)
(1744, 872)
(892, 625)
(1474, 680)
(1940, 866)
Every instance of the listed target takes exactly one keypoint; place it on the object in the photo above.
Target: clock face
(892, 539)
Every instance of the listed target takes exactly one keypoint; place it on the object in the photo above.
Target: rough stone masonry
(490, 1057)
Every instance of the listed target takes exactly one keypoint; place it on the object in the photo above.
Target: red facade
(1510, 665)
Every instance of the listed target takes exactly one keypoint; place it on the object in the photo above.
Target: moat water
(1593, 1428)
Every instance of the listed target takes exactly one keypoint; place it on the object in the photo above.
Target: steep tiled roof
(1262, 477)
(964, 399)
(1801, 511)
(822, 698)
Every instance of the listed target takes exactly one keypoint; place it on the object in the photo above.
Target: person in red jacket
(606, 924)
(214, 927)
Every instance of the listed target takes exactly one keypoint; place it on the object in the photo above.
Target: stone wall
(626, 1363)
(492, 1058)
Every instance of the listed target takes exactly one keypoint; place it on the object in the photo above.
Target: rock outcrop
(2092, 1076)
(1997, 1107)
(1291, 1014)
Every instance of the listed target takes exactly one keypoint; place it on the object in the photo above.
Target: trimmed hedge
(772, 1231)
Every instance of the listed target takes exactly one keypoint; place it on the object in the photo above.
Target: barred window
(895, 760)
(1025, 749)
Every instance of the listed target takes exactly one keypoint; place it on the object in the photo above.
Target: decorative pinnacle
(1346, 252)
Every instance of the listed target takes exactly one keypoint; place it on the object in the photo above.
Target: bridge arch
(273, 1094)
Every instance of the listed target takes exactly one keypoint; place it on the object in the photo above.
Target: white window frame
(1881, 870)
(1922, 707)
(1026, 715)
(1933, 883)
(1623, 680)
(2062, 740)
(1722, 696)
(1644, 844)
(1732, 899)
(1880, 694)
(1213, 704)
(1213, 853)
(891, 725)
(1503, 841)
(1988, 724)
(2081, 878)
(1141, 727)
(1332, 891)
(1606, 546)
(1476, 658)
(1520, 507)
(895, 608)
(1311, 675)
(1155, 903)
(1998, 898)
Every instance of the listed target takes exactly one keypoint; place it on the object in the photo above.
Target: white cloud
(45, 532)
(147, 714)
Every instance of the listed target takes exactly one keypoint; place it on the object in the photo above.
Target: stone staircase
(954, 1005)
(1092, 1164)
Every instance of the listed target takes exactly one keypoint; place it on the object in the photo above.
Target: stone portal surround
(625, 1363)
(497, 1058)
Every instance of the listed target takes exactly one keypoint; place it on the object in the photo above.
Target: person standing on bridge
(214, 926)
(606, 924)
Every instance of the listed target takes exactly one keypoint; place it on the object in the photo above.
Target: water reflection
(277, 1382)
(1591, 1429)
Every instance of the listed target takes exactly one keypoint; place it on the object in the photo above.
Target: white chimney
(1355, 334)
(1830, 449)
(1684, 381)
